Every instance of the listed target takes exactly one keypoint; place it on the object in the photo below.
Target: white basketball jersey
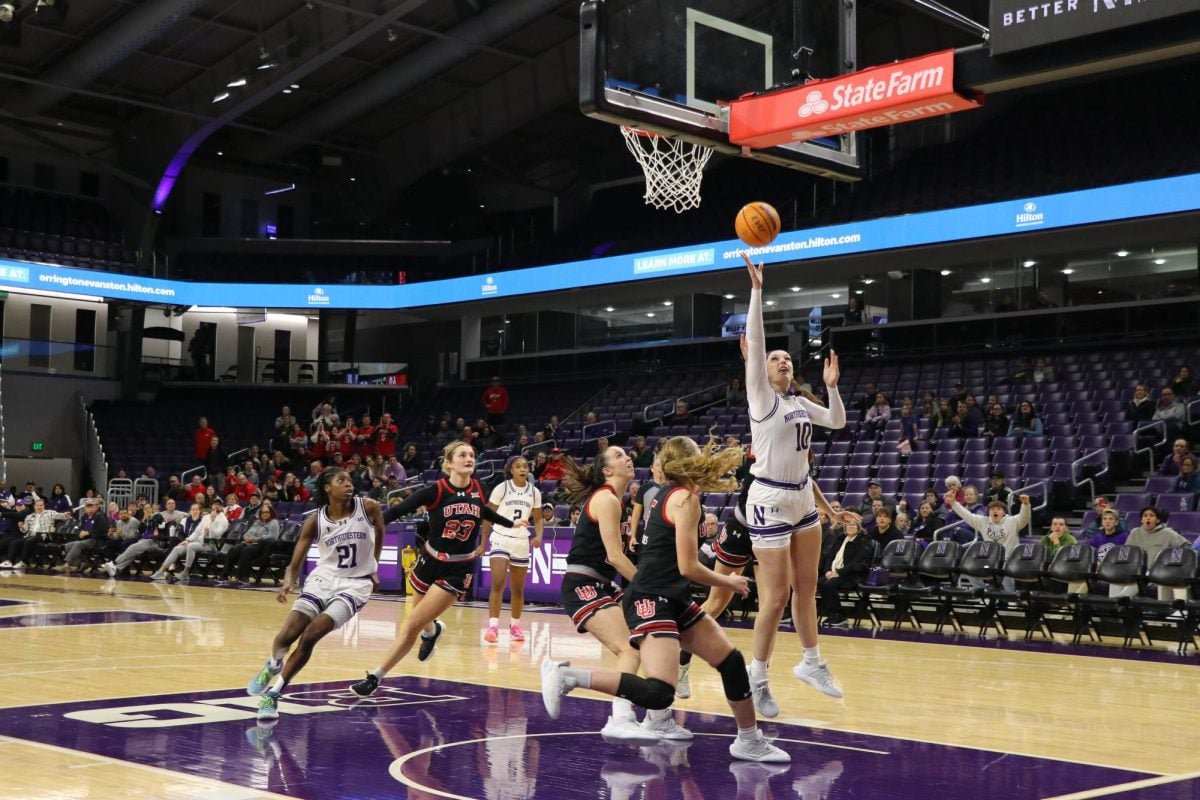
(781, 440)
(516, 503)
(346, 547)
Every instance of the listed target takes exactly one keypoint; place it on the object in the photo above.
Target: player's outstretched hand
(756, 278)
(740, 584)
(844, 516)
(833, 370)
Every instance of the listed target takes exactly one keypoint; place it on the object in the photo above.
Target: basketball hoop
(673, 168)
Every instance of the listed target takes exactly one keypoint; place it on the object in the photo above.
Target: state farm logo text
(851, 94)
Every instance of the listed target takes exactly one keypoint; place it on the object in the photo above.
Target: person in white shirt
(515, 498)
(781, 507)
(205, 536)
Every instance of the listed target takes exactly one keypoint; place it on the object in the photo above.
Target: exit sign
(37, 447)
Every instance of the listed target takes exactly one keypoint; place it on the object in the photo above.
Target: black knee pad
(646, 692)
(734, 677)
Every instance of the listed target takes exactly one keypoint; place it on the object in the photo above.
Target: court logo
(1029, 216)
(814, 103)
(318, 297)
(489, 286)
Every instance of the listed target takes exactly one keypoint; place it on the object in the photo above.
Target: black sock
(685, 658)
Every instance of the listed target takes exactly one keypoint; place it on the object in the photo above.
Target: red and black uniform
(733, 543)
(448, 557)
(659, 601)
(589, 585)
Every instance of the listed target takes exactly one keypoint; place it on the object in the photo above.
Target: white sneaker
(683, 686)
(554, 686)
(110, 568)
(818, 677)
(158, 576)
(665, 727)
(627, 731)
(757, 749)
(5, 565)
(818, 785)
(753, 777)
(19, 565)
(764, 703)
(624, 778)
(1174, 615)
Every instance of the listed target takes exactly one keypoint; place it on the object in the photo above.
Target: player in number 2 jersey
(348, 531)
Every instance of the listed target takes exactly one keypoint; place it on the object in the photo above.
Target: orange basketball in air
(757, 223)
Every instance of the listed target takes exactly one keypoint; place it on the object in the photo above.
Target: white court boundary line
(396, 768)
(1127, 787)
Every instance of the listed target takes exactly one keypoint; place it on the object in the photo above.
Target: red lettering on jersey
(644, 608)
(585, 593)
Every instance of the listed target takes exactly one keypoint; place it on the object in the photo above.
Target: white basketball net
(673, 168)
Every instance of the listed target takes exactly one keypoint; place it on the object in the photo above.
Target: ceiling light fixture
(267, 65)
(985, 280)
(287, 91)
(858, 291)
(946, 272)
(868, 281)
(1028, 263)
(770, 302)
(667, 303)
(795, 288)
(728, 297)
(220, 97)
(609, 309)
(835, 296)
(295, 86)
(1068, 271)
(649, 313)
(237, 82)
(1122, 253)
(1160, 261)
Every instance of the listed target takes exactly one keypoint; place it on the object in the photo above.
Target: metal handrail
(671, 402)
(536, 447)
(1187, 412)
(186, 475)
(1149, 449)
(1079, 462)
(608, 426)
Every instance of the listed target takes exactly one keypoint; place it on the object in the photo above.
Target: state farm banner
(1020, 24)
(892, 94)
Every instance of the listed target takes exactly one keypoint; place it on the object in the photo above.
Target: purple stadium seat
(976, 457)
(975, 445)
(828, 486)
(857, 486)
(920, 458)
(856, 473)
(1131, 502)
(890, 459)
(1088, 518)
(941, 472)
(546, 487)
(1177, 501)
(1004, 443)
(948, 446)
(1122, 443)
(862, 460)
(890, 486)
(839, 448)
(888, 472)
(1159, 484)
(976, 474)
(1187, 523)
(1088, 444)
(852, 499)
(1036, 472)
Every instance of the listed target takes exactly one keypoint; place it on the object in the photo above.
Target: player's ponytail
(579, 481)
(321, 490)
(685, 464)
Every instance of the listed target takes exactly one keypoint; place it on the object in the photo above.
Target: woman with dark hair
(518, 498)
(1025, 422)
(996, 423)
(58, 501)
(348, 531)
(456, 506)
(410, 459)
(735, 395)
(659, 612)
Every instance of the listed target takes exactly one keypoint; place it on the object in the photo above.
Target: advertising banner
(1021, 24)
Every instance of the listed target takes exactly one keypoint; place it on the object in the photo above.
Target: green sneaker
(259, 683)
(268, 707)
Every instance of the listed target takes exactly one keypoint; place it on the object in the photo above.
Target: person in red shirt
(554, 467)
(232, 510)
(196, 490)
(347, 440)
(204, 436)
(365, 440)
(495, 400)
(244, 489)
(385, 437)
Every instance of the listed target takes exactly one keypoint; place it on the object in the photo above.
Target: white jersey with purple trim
(346, 547)
(516, 502)
(781, 426)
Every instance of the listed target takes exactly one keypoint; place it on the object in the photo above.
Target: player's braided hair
(321, 490)
(685, 464)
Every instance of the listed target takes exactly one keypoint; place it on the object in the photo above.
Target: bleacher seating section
(56, 229)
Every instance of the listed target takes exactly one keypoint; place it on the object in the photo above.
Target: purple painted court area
(423, 738)
(82, 618)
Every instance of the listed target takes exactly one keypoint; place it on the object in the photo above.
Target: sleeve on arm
(833, 417)
(421, 497)
(976, 521)
(759, 395)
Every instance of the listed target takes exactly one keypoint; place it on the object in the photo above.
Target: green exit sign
(37, 447)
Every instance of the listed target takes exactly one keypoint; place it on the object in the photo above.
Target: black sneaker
(430, 642)
(367, 686)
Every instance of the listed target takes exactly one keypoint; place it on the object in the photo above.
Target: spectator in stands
(495, 401)
(254, 547)
(735, 394)
(321, 443)
(346, 440)
(548, 518)
(195, 489)
(874, 492)
(1170, 465)
(925, 523)
(540, 460)
(176, 491)
(243, 488)
(364, 437)
(1153, 536)
(928, 407)
(205, 536)
(844, 563)
(298, 442)
(271, 489)
(551, 428)
(207, 499)
(962, 425)
(279, 464)
(877, 416)
(393, 467)
(641, 454)
(58, 501)
(1042, 371)
(974, 412)
(1140, 408)
(377, 491)
(909, 431)
(642, 499)
(576, 512)
(971, 502)
(998, 525)
(941, 418)
(285, 420)
(1188, 480)
(1170, 411)
(1107, 524)
(867, 400)
(294, 491)
(554, 466)
(39, 525)
(113, 510)
(1058, 537)
(884, 532)
(935, 501)
(1025, 422)
(1043, 300)
(163, 527)
(996, 423)
(411, 459)
(216, 462)
(1183, 385)
(681, 415)
(203, 436)
(590, 418)
(903, 523)
(998, 490)
(486, 437)
(445, 434)
(854, 312)
(325, 414)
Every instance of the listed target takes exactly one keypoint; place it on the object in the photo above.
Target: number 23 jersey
(454, 515)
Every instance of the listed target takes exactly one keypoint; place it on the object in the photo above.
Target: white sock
(758, 669)
(277, 686)
(380, 673)
(623, 709)
(748, 734)
(429, 634)
(812, 656)
(494, 622)
(578, 678)
(276, 661)
(660, 714)
(514, 620)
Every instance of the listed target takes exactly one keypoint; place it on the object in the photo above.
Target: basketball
(757, 223)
